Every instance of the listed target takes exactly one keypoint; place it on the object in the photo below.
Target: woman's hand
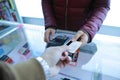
(49, 33)
(81, 36)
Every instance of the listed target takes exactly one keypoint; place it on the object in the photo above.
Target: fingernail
(66, 53)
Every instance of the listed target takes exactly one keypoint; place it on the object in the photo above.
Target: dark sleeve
(5, 72)
(28, 70)
(48, 14)
(99, 12)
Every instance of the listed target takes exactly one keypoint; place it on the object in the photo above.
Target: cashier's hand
(49, 33)
(81, 36)
(56, 57)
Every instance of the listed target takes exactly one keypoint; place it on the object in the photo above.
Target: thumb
(77, 36)
(52, 32)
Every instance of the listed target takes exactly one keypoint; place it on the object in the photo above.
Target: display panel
(12, 37)
(8, 11)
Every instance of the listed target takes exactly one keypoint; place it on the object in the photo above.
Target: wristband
(45, 67)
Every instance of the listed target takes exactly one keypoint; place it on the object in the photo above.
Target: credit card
(74, 46)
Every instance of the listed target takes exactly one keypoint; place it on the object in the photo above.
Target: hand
(81, 36)
(64, 60)
(56, 57)
(52, 55)
(49, 33)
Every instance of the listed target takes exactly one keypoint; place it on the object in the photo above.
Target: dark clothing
(28, 70)
(74, 15)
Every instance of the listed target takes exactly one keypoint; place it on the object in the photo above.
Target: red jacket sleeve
(48, 14)
(99, 11)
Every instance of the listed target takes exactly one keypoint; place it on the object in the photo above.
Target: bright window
(113, 17)
(29, 8)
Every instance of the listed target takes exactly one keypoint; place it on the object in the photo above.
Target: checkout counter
(22, 42)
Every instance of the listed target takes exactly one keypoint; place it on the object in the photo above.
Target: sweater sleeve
(98, 13)
(29, 70)
(49, 17)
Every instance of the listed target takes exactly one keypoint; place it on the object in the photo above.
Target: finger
(84, 39)
(64, 55)
(77, 36)
(52, 32)
(46, 38)
(69, 59)
(65, 61)
(60, 64)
